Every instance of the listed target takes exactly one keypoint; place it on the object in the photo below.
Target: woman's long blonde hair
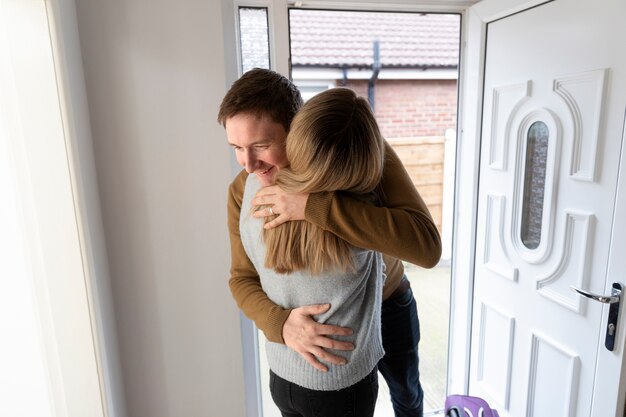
(334, 145)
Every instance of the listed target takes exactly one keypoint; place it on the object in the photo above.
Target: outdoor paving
(431, 288)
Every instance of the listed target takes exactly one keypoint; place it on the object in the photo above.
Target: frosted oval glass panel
(534, 184)
(254, 38)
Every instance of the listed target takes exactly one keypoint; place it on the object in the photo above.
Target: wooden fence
(423, 158)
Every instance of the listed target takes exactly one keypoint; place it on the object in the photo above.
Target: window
(534, 184)
(253, 38)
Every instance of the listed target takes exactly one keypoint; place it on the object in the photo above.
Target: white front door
(552, 132)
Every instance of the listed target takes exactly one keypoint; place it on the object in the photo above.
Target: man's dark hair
(262, 91)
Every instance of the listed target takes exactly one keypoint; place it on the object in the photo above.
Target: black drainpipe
(375, 71)
(344, 73)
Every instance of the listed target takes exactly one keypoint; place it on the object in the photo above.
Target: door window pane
(534, 184)
(254, 38)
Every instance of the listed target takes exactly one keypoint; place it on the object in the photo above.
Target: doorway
(477, 18)
(406, 65)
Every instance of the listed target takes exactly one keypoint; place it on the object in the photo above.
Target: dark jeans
(400, 365)
(357, 400)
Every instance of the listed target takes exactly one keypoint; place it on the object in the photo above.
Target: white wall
(155, 76)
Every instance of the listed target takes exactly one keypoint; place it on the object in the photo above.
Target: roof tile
(338, 38)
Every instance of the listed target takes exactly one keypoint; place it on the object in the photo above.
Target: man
(257, 112)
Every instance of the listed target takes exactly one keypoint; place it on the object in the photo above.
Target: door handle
(605, 299)
(614, 300)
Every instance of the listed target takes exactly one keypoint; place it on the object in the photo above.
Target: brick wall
(412, 108)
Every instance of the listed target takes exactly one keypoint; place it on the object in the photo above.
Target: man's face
(259, 144)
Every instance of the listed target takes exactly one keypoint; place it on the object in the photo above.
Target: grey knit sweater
(355, 300)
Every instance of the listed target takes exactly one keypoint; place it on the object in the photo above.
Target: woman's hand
(286, 206)
(310, 338)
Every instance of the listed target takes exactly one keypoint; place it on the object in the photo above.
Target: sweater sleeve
(245, 284)
(401, 227)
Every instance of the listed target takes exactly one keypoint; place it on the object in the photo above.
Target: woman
(334, 145)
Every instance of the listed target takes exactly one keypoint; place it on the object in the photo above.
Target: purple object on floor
(467, 406)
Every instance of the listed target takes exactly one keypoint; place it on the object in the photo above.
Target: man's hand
(309, 338)
(286, 206)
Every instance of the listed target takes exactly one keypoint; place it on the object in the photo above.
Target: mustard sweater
(401, 228)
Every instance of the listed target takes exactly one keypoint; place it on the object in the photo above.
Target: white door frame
(610, 364)
(279, 59)
(466, 203)
(45, 130)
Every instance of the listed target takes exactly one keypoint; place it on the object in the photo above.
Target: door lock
(614, 300)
